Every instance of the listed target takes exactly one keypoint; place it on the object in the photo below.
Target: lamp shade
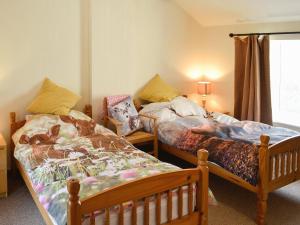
(204, 87)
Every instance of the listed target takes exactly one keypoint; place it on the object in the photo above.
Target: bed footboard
(143, 189)
(279, 165)
(284, 165)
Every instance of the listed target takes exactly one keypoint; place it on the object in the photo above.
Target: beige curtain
(252, 79)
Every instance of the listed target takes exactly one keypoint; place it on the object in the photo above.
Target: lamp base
(204, 103)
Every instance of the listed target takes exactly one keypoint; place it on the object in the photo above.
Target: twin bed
(78, 172)
(255, 156)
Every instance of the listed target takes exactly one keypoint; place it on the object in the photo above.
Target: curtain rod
(271, 33)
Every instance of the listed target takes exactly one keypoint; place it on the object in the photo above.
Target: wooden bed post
(105, 112)
(88, 110)
(12, 117)
(263, 189)
(203, 186)
(74, 217)
(155, 132)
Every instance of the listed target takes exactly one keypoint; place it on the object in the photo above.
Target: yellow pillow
(156, 90)
(53, 99)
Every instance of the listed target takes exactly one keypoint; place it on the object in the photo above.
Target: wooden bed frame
(279, 165)
(141, 189)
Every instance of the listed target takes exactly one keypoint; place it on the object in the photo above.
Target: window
(285, 81)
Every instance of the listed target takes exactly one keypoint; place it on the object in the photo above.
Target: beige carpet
(236, 206)
(19, 208)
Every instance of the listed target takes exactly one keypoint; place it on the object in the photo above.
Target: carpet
(236, 205)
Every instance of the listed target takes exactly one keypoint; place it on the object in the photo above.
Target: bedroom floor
(236, 205)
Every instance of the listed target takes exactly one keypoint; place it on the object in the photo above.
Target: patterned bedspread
(232, 144)
(54, 148)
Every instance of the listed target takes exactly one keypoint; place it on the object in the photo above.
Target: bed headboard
(17, 124)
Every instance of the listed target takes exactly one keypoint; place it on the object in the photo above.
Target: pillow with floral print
(112, 100)
(125, 112)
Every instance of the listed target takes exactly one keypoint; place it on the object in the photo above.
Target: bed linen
(232, 144)
(54, 148)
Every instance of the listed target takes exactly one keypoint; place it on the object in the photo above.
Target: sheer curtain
(252, 79)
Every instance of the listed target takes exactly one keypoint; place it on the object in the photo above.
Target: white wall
(116, 46)
(105, 47)
(38, 38)
(132, 40)
(93, 47)
(218, 58)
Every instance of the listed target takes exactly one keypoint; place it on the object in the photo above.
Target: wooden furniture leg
(261, 208)
(202, 156)
(263, 189)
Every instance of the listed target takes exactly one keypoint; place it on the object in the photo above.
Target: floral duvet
(54, 148)
(232, 144)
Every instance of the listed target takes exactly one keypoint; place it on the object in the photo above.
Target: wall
(39, 38)
(116, 46)
(98, 48)
(133, 40)
(218, 57)
(94, 48)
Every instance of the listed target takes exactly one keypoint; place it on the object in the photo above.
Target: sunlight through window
(285, 81)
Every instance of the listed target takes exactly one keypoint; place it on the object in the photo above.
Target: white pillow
(160, 110)
(155, 106)
(162, 115)
(186, 107)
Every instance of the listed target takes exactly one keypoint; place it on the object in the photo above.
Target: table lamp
(204, 89)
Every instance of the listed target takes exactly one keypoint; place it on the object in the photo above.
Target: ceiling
(227, 12)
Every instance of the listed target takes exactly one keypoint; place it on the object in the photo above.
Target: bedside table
(142, 138)
(3, 167)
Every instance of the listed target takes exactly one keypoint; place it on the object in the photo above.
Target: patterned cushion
(115, 99)
(126, 113)
(112, 101)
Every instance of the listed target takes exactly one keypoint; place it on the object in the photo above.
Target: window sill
(278, 124)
